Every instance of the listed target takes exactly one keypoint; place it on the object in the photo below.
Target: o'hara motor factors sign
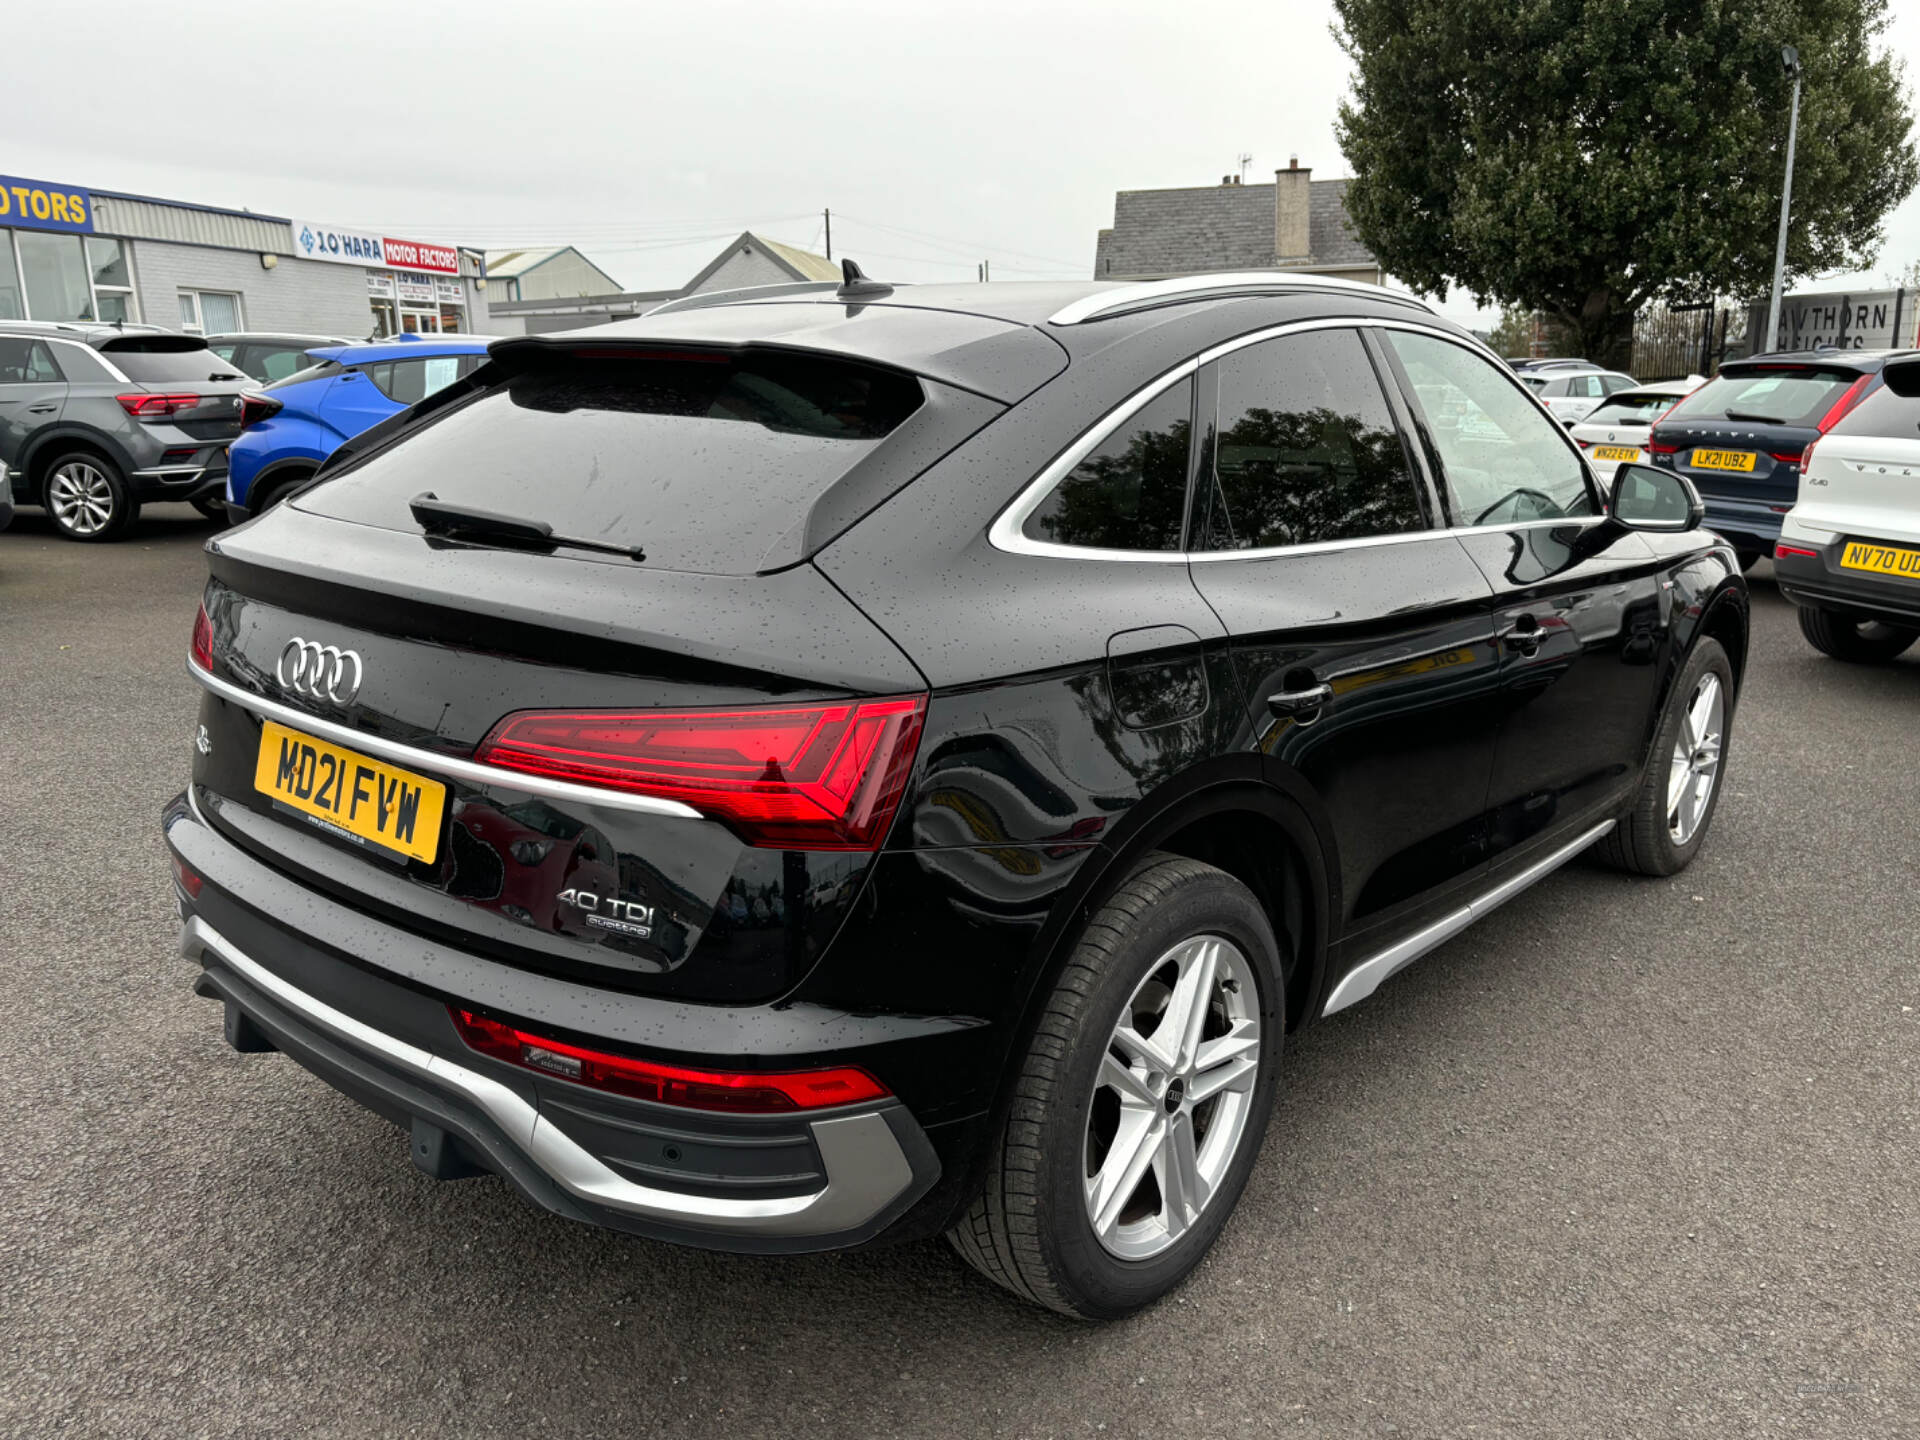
(314, 241)
(1844, 320)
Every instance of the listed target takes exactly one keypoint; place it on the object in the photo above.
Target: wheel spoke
(1227, 1063)
(1700, 713)
(1126, 1082)
(1134, 1146)
(1677, 777)
(1183, 1190)
(1141, 1049)
(1186, 1010)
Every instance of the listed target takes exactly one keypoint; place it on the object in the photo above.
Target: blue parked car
(290, 426)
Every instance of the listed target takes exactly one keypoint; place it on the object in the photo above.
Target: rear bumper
(1747, 524)
(194, 480)
(755, 1183)
(1820, 584)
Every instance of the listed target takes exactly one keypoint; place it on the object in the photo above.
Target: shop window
(11, 306)
(55, 271)
(112, 280)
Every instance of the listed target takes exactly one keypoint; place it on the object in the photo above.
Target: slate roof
(1219, 227)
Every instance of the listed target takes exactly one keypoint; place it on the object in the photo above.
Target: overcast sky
(648, 134)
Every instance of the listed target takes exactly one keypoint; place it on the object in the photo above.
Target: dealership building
(70, 252)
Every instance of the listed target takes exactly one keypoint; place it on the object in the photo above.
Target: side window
(1614, 384)
(1130, 493)
(26, 362)
(278, 364)
(1590, 387)
(1306, 449)
(226, 351)
(1503, 460)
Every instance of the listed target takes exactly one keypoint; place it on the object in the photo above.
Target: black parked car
(1740, 436)
(269, 357)
(97, 418)
(975, 725)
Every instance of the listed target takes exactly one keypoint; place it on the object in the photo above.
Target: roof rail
(1128, 298)
(751, 292)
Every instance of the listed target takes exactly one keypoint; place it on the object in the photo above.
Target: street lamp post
(1790, 57)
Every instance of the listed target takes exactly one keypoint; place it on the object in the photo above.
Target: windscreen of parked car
(1767, 397)
(1631, 409)
(703, 461)
(172, 366)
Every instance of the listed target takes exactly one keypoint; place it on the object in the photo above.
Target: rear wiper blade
(1756, 419)
(459, 522)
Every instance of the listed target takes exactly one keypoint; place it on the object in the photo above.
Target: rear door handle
(41, 409)
(1293, 704)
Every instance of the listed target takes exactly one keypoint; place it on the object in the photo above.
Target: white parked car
(1571, 393)
(1849, 550)
(1615, 430)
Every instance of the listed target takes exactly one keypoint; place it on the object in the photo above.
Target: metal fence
(1671, 342)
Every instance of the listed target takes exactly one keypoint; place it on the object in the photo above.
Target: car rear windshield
(1883, 415)
(1631, 409)
(1767, 397)
(169, 367)
(703, 461)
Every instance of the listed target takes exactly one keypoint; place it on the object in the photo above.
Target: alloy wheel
(1695, 768)
(81, 498)
(1171, 1101)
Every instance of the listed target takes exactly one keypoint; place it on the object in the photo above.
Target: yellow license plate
(1881, 560)
(1614, 452)
(363, 799)
(1723, 459)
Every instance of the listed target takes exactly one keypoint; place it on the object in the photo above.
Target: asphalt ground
(1629, 1158)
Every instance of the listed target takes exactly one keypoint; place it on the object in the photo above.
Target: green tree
(1584, 157)
(1513, 336)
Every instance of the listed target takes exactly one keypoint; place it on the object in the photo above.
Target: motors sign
(38, 205)
(312, 241)
(1844, 320)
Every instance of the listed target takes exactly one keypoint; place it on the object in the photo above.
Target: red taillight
(201, 650)
(255, 408)
(156, 407)
(1657, 446)
(1849, 398)
(1781, 550)
(807, 777)
(1785, 458)
(1583, 444)
(1806, 456)
(668, 1084)
(188, 878)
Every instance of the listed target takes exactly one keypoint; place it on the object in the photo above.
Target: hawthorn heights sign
(1844, 320)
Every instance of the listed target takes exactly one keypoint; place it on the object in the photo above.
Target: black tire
(265, 497)
(1029, 1229)
(214, 507)
(1644, 843)
(1854, 638)
(87, 497)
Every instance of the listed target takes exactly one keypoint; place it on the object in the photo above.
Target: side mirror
(1645, 498)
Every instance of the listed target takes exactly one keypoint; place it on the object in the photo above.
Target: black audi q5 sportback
(830, 763)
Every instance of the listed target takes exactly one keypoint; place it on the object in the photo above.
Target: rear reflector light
(668, 1084)
(1583, 444)
(187, 878)
(1782, 550)
(156, 407)
(1849, 398)
(809, 777)
(1785, 458)
(1779, 509)
(201, 650)
(255, 408)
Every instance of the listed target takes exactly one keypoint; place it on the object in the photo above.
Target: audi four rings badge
(320, 672)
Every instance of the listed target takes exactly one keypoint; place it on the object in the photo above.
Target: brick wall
(301, 296)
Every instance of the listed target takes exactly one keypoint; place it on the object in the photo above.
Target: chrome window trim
(1366, 977)
(1148, 292)
(865, 1166)
(433, 763)
(1006, 533)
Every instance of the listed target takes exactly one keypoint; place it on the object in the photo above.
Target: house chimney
(1290, 211)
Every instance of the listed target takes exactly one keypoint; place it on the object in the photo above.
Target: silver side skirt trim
(1366, 977)
(866, 1169)
(415, 758)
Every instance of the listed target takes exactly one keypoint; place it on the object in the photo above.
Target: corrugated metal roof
(805, 264)
(189, 224)
(505, 264)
